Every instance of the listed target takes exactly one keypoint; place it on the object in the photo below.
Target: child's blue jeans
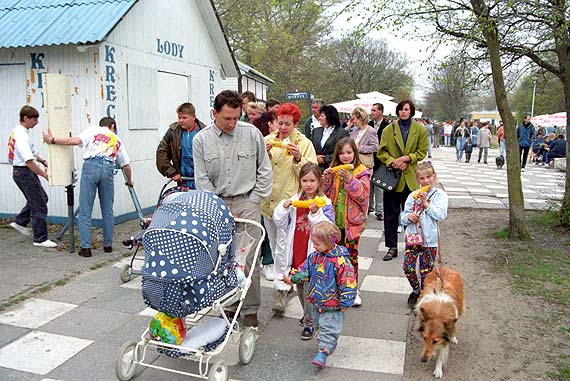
(329, 325)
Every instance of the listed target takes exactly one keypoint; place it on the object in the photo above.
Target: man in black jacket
(378, 122)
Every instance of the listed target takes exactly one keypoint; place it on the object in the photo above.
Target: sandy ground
(504, 334)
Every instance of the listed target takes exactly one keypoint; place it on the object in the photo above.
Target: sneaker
(320, 359)
(84, 252)
(267, 271)
(412, 300)
(380, 216)
(357, 300)
(21, 229)
(108, 249)
(399, 228)
(307, 333)
(523, 170)
(47, 244)
(392, 253)
(279, 304)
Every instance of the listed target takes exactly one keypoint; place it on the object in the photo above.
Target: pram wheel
(126, 273)
(125, 366)
(246, 345)
(218, 372)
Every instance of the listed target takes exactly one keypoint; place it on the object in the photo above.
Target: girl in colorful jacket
(332, 288)
(348, 190)
(294, 218)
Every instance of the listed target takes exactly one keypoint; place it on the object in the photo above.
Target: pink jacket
(357, 192)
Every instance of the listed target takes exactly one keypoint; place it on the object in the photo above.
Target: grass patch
(501, 234)
(563, 370)
(541, 268)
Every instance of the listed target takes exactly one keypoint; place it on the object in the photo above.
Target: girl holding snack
(294, 218)
(347, 184)
(424, 208)
(288, 151)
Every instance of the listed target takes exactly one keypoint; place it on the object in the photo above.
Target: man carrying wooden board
(102, 148)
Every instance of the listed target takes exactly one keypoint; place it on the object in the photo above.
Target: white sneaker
(399, 228)
(267, 271)
(357, 299)
(21, 229)
(47, 244)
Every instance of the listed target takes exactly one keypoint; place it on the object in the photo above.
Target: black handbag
(387, 177)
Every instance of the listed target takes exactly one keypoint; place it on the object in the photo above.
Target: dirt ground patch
(505, 334)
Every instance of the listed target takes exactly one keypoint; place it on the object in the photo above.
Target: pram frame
(127, 271)
(200, 355)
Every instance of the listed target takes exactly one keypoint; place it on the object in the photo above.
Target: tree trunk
(563, 58)
(517, 222)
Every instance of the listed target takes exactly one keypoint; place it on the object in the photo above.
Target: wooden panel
(58, 112)
(142, 97)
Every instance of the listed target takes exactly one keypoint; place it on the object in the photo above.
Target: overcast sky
(417, 51)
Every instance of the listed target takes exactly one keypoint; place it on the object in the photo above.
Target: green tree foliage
(549, 98)
(360, 65)
(451, 90)
(289, 41)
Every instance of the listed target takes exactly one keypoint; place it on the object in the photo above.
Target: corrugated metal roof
(58, 22)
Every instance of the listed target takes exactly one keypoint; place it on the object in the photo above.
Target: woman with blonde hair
(364, 136)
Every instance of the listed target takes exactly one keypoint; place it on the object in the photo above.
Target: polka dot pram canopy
(189, 253)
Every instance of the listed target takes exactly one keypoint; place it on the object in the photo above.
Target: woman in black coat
(325, 138)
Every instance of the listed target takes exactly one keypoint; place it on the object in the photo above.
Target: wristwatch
(52, 141)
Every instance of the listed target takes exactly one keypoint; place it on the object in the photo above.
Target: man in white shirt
(313, 122)
(22, 156)
(102, 149)
(377, 121)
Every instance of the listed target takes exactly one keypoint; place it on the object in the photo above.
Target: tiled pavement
(482, 185)
(73, 332)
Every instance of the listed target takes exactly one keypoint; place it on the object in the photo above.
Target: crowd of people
(311, 187)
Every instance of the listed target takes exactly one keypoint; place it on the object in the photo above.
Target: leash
(439, 272)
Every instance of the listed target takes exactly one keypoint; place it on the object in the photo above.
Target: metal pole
(71, 217)
(533, 95)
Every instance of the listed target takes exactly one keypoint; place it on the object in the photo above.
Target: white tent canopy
(550, 120)
(366, 100)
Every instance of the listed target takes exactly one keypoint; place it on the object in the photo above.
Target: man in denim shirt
(230, 160)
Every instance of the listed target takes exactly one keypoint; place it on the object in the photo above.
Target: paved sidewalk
(479, 185)
(74, 330)
(63, 333)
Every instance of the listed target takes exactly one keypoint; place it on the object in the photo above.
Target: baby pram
(135, 241)
(194, 252)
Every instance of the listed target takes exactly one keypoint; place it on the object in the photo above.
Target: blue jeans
(36, 208)
(502, 148)
(329, 325)
(459, 147)
(430, 144)
(447, 141)
(96, 177)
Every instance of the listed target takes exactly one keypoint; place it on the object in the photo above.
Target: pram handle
(255, 256)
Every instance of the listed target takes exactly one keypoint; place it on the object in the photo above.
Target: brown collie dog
(438, 310)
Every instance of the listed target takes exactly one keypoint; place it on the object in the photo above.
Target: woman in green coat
(412, 140)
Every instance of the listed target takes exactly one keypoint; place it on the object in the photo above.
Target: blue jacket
(558, 148)
(331, 278)
(525, 133)
(436, 212)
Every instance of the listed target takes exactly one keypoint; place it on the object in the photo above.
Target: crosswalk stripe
(372, 355)
(390, 284)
